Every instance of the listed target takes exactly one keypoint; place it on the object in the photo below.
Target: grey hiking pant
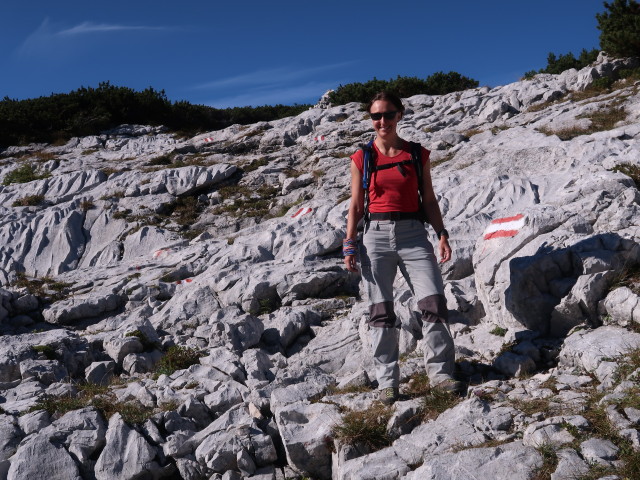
(386, 246)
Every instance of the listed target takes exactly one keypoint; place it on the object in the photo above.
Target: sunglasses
(386, 115)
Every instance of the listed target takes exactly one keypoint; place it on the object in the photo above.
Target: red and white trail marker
(504, 227)
(208, 139)
(301, 212)
(319, 138)
(163, 252)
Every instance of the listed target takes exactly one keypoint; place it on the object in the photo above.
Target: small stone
(600, 451)
(100, 373)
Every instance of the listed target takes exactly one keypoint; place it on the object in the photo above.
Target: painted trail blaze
(504, 227)
(301, 212)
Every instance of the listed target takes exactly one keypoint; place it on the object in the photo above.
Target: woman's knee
(382, 315)
(434, 308)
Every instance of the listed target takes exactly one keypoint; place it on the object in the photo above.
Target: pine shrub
(620, 28)
(439, 83)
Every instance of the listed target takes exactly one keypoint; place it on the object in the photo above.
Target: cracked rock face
(177, 308)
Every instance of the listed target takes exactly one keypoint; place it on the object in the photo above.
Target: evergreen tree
(439, 83)
(620, 28)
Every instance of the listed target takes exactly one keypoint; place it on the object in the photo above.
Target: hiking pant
(387, 245)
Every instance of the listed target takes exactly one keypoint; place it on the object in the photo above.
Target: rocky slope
(177, 308)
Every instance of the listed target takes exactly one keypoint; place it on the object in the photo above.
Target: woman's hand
(350, 263)
(444, 249)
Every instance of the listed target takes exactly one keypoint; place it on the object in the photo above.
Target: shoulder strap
(416, 158)
(367, 164)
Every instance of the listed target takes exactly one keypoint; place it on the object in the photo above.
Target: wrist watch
(443, 232)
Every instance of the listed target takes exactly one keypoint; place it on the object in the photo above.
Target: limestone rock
(570, 465)
(126, 453)
(10, 437)
(304, 429)
(623, 307)
(510, 461)
(44, 371)
(589, 348)
(219, 249)
(76, 308)
(39, 458)
(599, 451)
(100, 372)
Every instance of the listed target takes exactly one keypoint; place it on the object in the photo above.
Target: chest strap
(391, 165)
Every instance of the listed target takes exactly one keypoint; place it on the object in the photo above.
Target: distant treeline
(558, 64)
(88, 111)
(437, 84)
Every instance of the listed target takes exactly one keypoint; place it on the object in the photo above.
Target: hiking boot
(451, 385)
(388, 395)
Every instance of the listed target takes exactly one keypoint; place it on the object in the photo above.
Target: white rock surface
(234, 251)
(126, 454)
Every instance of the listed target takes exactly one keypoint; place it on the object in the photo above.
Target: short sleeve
(358, 159)
(425, 156)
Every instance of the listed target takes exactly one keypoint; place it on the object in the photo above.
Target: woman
(394, 236)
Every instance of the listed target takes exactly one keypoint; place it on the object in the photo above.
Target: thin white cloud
(309, 92)
(89, 27)
(270, 78)
(47, 37)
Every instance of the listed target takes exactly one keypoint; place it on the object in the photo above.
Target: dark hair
(388, 97)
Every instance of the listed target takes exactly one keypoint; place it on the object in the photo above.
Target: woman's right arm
(356, 210)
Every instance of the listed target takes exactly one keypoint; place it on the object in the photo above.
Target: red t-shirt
(389, 190)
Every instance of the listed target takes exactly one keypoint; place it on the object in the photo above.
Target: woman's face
(384, 127)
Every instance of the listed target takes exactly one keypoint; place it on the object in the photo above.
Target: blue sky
(249, 52)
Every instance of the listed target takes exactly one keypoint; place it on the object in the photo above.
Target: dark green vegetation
(601, 120)
(620, 28)
(28, 201)
(88, 111)
(439, 83)
(97, 396)
(558, 64)
(24, 174)
(434, 400)
(366, 427)
(632, 171)
(177, 358)
(46, 288)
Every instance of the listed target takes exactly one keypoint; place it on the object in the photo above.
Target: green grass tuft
(24, 174)
(47, 350)
(365, 427)
(177, 358)
(499, 331)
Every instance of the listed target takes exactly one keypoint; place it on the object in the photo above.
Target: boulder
(10, 437)
(186, 180)
(304, 430)
(588, 349)
(126, 453)
(506, 462)
(623, 307)
(100, 372)
(44, 371)
(39, 458)
(71, 310)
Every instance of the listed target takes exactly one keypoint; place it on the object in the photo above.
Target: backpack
(369, 166)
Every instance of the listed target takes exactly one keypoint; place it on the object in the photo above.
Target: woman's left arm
(432, 209)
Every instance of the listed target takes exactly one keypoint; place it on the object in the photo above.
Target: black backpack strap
(368, 166)
(416, 159)
(391, 165)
